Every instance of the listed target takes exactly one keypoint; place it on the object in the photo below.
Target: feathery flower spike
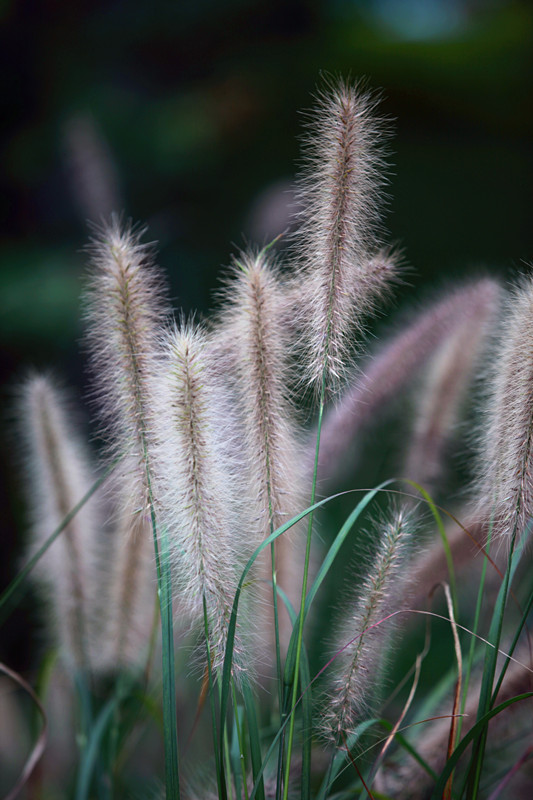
(506, 449)
(452, 371)
(340, 193)
(197, 482)
(251, 321)
(125, 308)
(360, 639)
(128, 590)
(391, 368)
(59, 476)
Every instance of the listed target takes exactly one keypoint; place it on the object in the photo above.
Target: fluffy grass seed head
(127, 588)
(125, 308)
(390, 369)
(340, 194)
(360, 638)
(197, 483)
(446, 382)
(59, 475)
(506, 486)
(252, 322)
(252, 319)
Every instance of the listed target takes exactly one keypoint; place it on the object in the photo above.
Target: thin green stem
(221, 783)
(239, 738)
(164, 593)
(485, 700)
(301, 618)
(276, 616)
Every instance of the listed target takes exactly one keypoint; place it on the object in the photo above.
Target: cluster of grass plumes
(200, 522)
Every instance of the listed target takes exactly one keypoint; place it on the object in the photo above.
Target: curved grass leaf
(228, 658)
(93, 748)
(324, 569)
(489, 669)
(40, 744)
(472, 734)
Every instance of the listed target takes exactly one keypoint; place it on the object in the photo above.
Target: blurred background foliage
(185, 116)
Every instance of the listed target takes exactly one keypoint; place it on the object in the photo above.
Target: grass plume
(252, 320)
(361, 638)
(125, 308)
(59, 475)
(128, 588)
(392, 367)
(340, 194)
(446, 382)
(197, 481)
(506, 448)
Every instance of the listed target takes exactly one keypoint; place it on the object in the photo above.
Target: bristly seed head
(125, 308)
(360, 643)
(506, 486)
(340, 195)
(252, 322)
(197, 483)
(59, 476)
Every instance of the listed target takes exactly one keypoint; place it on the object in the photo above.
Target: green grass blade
(169, 685)
(512, 647)
(445, 543)
(472, 734)
(228, 657)
(495, 633)
(255, 740)
(489, 668)
(92, 749)
(324, 569)
(238, 768)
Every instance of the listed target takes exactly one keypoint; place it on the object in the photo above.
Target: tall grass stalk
(339, 193)
(125, 306)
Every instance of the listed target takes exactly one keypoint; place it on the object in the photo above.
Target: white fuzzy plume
(340, 194)
(59, 477)
(252, 325)
(125, 309)
(196, 482)
(360, 641)
(125, 312)
(506, 448)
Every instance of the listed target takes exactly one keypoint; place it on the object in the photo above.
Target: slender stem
(228, 765)
(276, 617)
(164, 593)
(304, 592)
(239, 738)
(220, 777)
(478, 750)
